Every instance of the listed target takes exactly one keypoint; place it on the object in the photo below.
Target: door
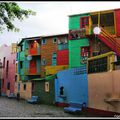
(33, 68)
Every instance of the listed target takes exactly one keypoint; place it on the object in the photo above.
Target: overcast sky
(51, 18)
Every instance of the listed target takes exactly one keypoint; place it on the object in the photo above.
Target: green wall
(44, 97)
(75, 50)
(74, 21)
(75, 45)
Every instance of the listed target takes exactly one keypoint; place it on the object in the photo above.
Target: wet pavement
(14, 108)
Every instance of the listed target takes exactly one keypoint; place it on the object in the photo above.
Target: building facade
(8, 58)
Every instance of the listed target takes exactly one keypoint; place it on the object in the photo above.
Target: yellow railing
(110, 59)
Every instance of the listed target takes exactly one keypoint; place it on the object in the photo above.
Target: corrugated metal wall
(62, 57)
(75, 50)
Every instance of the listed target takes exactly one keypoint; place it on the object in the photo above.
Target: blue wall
(75, 85)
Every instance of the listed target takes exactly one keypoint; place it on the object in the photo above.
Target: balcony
(33, 51)
(32, 71)
(77, 34)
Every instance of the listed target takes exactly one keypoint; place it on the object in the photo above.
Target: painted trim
(101, 56)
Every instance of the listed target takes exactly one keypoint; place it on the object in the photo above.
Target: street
(14, 108)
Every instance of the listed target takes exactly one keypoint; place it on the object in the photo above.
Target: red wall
(62, 57)
(117, 18)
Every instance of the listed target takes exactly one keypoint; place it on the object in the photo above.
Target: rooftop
(94, 12)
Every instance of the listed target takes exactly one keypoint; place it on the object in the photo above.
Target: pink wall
(5, 51)
(102, 87)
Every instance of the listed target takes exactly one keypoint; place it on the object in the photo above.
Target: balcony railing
(33, 51)
(30, 72)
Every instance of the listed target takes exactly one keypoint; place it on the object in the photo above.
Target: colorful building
(101, 51)
(34, 54)
(77, 40)
(29, 61)
(50, 48)
(8, 58)
(55, 67)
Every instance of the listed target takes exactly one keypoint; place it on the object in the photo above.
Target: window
(61, 90)
(33, 86)
(7, 68)
(24, 87)
(3, 62)
(2, 82)
(54, 57)
(43, 41)
(54, 40)
(84, 22)
(46, 86)
(98, 65)
(8, 86)
(85, 51)
(21, 64)
(15, 78)
(43, 61)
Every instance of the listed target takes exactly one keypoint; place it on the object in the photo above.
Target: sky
(51, 18)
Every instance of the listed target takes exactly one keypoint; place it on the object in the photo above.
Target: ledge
(112, 100)
(62, 96)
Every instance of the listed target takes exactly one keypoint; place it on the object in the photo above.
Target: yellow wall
(25, 94)
(103, 86)
(54, 69)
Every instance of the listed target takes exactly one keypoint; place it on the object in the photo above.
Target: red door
(33, 69)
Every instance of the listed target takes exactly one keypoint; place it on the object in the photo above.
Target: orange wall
(101, 86)
(25, 94)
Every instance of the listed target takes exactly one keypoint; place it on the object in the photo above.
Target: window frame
(24, 87)
(54, 40)
(84, 21)
(43, 43)
(47, 87)
(43, 62)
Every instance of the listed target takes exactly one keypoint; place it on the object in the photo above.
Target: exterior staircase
(110, 41)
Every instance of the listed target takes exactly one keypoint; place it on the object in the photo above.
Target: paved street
(14, 108)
